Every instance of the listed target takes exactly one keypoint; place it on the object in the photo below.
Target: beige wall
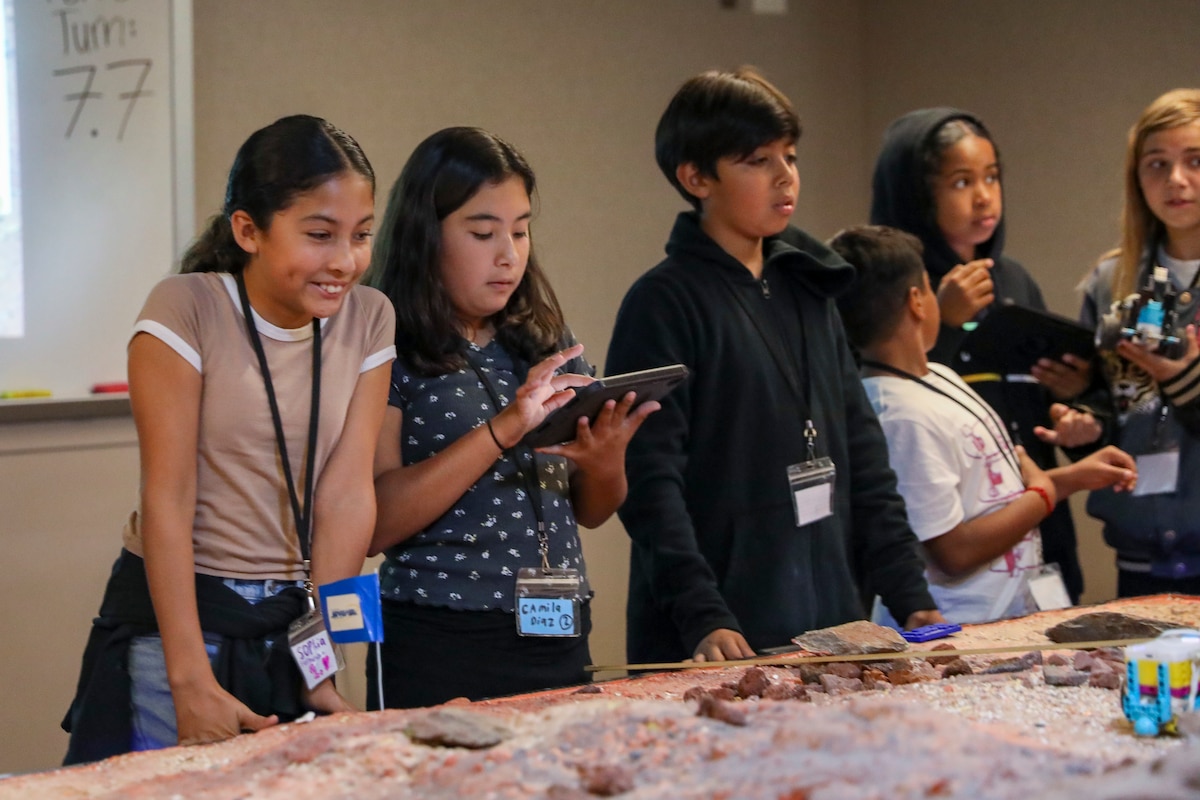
(578, 86)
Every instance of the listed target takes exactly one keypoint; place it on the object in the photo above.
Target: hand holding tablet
(561, 425)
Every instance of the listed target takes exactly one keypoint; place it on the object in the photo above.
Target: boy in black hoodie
(938, 177)
(725, 559)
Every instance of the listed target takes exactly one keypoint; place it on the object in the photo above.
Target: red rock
(606, 780)
(844, 669)
(957, 667)
(899, 677)
(695, 693)
(941, 661)
(1058, 660)
(875, 679)
(835, 685)
(1105, 680)
(1083, 660)
(721, 711)
(780, 691)
(721, 693)
(752, 683)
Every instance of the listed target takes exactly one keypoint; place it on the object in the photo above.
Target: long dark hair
(442, 174)
(288, 157)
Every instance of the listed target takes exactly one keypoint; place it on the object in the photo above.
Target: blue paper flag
(352, 609)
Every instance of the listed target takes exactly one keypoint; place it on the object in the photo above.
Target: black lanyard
(532, 483)
(795, 370)
(303, 515)
(1007, 452)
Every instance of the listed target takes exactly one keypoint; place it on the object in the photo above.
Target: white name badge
(811, 483)
(313, 649)
(1048, 590)
(1158, 473)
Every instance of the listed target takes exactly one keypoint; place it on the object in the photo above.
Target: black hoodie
(901, 197)
(709, 511)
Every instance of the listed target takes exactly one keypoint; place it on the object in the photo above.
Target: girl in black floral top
(484, 357)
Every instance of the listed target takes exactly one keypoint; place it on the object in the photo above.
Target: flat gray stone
(1103, 625)
(852, 638)
(457, 727)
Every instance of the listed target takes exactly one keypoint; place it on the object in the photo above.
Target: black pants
(1138, 584)
(431, 655)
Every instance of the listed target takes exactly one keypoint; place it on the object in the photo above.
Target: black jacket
(260, 674)
(709, 511)
(901, 198)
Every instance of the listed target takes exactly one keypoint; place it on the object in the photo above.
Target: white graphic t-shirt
(954, 463)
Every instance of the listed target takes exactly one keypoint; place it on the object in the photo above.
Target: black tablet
(649, 384)
(1011, 339)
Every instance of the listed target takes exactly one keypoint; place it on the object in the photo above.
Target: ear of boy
(694, 181)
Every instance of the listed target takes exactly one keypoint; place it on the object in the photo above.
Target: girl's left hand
(1158, 367)
(600, 447)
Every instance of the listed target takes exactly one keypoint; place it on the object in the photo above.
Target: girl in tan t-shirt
(296, 228)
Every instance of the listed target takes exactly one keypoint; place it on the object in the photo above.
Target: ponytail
(214, 250)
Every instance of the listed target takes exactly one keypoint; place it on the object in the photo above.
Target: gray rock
(1019, 664)
(852, 638)
(457, 727)
(1061, 675)
(1104, 625)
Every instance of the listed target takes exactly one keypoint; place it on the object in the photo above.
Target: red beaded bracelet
(1045, 498)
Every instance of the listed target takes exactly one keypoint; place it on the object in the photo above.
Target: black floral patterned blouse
(468, 559)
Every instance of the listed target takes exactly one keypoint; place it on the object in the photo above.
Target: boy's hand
(1110, 466)
(919, 619)
(965, 291)
(1071, 428)
(1159, 367)
(723, 644)
(1066, 378)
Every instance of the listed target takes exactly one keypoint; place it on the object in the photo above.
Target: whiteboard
(104, 99)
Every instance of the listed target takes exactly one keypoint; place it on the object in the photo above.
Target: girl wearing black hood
(938, 177)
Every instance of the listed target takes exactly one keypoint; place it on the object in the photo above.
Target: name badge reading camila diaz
(548, 602)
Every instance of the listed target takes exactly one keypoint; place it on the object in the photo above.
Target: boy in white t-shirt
(973, 498)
